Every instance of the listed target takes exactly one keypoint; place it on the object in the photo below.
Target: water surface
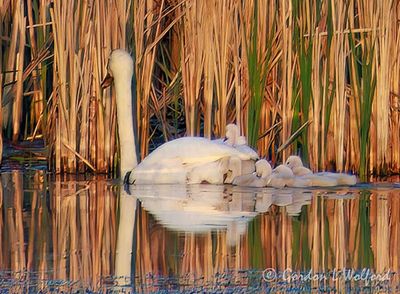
(67, 234)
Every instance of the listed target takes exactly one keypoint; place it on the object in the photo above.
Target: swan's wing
(167, 171)
(248, 150)
(192, 150)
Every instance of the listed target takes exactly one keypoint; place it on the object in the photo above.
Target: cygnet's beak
(107, 81)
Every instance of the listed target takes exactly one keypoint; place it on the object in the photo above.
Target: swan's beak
(107, 81)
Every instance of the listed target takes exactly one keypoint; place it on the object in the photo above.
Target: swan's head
(263, 168)
(119, 67)
(232, 132)
(294, 161)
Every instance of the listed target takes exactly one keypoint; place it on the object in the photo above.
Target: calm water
(64, 234)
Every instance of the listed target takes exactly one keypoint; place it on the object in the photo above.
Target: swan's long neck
(125, 124)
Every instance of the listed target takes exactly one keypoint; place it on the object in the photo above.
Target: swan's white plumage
(120, 66)
(172, 162)
(187, 159)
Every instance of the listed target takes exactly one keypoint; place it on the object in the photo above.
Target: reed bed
(315, 78)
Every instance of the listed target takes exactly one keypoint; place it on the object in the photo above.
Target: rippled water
(73, 235)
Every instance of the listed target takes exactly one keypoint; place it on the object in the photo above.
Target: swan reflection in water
(197, 209)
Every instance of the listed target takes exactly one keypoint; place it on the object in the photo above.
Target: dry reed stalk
(287, 66)
(192, 60)
(37, 94)
(9, 15)
(384, 44)
(222, 16)
(315, 132)
(270, 54)
(395, 102)
(340, 51)
(209, 70)
(1, 112)
(239, 91)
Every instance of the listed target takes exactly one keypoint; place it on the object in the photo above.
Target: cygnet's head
(263, 168)
(294, 161)
(119, 67)
(231, 133)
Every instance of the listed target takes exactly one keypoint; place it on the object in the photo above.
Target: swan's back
(192, 150)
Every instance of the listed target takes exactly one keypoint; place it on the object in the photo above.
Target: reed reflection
(56, 234)
(69, 234)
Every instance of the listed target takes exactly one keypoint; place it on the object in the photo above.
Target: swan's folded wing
(167, 171)
(248, 150)
(191, 150)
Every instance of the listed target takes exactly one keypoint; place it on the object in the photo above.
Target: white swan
(173, 161)
(322, 178)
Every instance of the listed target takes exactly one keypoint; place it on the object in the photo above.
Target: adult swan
(183, 160)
